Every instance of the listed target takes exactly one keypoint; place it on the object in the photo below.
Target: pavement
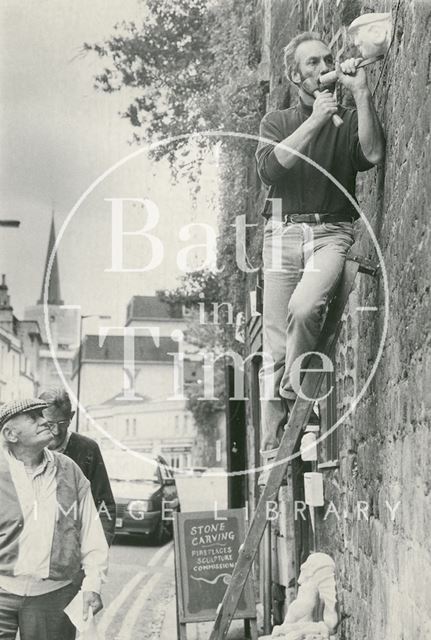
(139, 588)
(196, 631)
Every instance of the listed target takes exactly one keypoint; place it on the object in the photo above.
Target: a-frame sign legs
(250, 628)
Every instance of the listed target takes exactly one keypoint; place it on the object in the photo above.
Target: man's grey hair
(57, 397)
(290, 63)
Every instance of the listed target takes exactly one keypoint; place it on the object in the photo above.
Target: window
(177, 425)
(134, 427)
(127, 427)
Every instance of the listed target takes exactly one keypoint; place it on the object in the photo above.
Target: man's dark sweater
(303, 188)
(87, 455)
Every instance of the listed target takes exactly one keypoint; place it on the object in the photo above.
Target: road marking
(134, 611)
(111, 611)
(156, 557)
(169, 558)
(117, 603)
(367, 308)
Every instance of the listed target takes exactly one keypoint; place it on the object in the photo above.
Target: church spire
(54, 295)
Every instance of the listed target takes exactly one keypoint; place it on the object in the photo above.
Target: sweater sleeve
(268, 167)
(359, 161)
(102, 493)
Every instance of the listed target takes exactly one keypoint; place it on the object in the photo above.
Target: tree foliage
(190, 64)
(197, 288)
(193, 65)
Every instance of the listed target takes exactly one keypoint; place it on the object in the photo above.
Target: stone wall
(383, 558)
(385, 561)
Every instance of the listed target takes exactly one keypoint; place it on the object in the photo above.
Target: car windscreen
(124, 468)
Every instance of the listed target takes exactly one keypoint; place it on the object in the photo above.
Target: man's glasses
(60, 423)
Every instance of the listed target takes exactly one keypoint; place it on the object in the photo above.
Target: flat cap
(15, 407)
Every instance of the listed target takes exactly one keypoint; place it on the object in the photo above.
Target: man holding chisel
(310, 220)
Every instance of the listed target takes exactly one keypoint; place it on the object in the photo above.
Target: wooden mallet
(311, 87)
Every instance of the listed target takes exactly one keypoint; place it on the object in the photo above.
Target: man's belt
(317, 218)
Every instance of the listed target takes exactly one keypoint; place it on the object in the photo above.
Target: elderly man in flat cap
(49, 530)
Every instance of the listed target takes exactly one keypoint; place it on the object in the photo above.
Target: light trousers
(302, 266)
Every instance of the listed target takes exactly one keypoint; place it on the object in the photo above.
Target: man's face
(59, 422)
(29, 430)
(313, 58)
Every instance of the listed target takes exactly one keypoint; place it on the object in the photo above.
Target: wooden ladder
(298, 419)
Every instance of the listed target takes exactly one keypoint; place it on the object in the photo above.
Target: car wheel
(169, 527)
(158, 537)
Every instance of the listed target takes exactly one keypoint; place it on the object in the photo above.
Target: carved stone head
(371, 33)
(313, 565)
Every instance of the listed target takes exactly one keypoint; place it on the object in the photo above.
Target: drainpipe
(267, 580)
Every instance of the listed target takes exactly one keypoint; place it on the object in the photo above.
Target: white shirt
(37, 495)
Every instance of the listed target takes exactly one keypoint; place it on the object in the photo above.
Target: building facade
(148, 426)
(132, 384)
(20, 343)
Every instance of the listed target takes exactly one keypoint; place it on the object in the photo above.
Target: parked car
(145, 494)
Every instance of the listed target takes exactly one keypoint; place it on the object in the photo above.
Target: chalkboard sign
(206, 550)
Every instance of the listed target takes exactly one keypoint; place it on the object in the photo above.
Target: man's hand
(370, 132)
(350, 76)
(93, 600)
(324, 107)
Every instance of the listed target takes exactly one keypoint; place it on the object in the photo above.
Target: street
(139, 587)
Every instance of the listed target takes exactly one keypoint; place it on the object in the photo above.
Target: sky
(58, 135)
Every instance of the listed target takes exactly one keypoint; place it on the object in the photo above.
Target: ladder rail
(289, 445)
